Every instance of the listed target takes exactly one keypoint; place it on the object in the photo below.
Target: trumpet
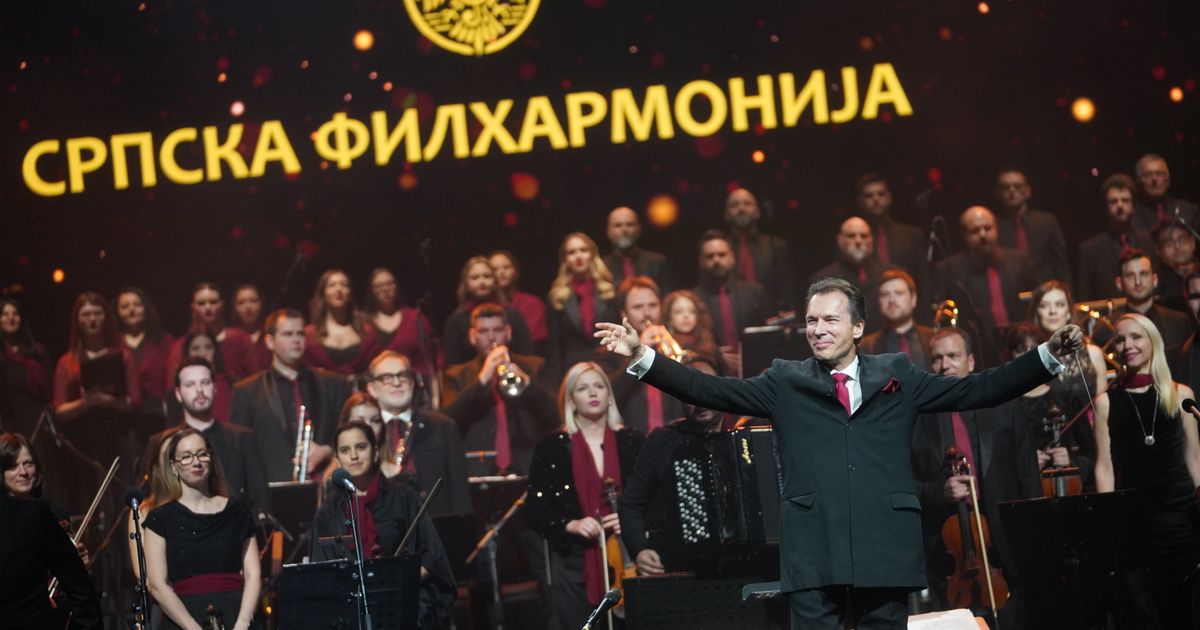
(512, 382)
(303, 442)
(945, 314)
(669, 347)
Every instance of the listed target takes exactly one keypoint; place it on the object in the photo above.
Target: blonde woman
(581, 295)
(567, 482)
(1145, 440)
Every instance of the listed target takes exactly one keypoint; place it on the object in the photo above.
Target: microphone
(610, 599)
(341, 478)
(932, 238)
(133, 498)
(1189, 405)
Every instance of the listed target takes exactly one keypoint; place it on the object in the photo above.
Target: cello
(967, 536)
(617, 563)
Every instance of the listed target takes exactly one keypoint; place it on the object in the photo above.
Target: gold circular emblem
(472, 27)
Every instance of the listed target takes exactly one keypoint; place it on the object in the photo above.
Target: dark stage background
(986, 89)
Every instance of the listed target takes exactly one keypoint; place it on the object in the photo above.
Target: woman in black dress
(581, 294)
(567, 476)
(200, 545)
(1145, 440)
(387, 510)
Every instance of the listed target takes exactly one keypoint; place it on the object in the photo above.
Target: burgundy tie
(862, 275)
(881, 247)
(728, 327)
(746, 260)
(1161, 214)
(1022, 239)
(1124, 243)
(654, 409)
(843, 392)
(629, 271)
(996, 296)
(904, 347)
(962, 439)
(503, 449)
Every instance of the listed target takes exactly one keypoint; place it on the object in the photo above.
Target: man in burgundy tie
(643, 407)
(856, 260)
(1155, 207)
(896, 243)
(850, 521)
(985, 280)
(1000, 449)
(1098, 255)
(1032, 232)
(734, 303)
(761, 258)
(627, 259)
(897, 294)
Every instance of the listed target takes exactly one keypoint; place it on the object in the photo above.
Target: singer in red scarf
(566, 503)
(386, 510)
(581, 294)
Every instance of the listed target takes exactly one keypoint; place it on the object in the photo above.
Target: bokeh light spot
(1176, 94)
(364, 40)
(662, 211)
(1083, 109)
(984, 8)
(758, 156)
(58, 276)
(524, 186)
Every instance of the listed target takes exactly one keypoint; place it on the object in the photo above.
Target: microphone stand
(361, 595)
(489, 542)
(427, 340)
(297, 264)
(141, 608)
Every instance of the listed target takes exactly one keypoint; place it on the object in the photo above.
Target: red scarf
(585, 290)
(590, 490)
(1138, 380)
(366, 521)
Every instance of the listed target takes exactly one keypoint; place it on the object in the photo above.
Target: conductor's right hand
(620, 338)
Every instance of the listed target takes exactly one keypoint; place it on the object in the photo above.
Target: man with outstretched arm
(851, 521)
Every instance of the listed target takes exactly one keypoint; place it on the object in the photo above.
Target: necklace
(1148, 437)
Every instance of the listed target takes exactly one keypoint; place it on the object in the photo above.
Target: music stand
(293, 503)
(1066, 548)
(320, 595)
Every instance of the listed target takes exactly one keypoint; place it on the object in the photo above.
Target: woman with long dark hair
(93, 336)
(1146, 440)
(581, 295)
(142, 332)
(568, 478)
(200, 545)
(26, 372)
(386, 510)
(340, 338)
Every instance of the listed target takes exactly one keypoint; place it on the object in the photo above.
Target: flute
(299, 466)
(304, 451)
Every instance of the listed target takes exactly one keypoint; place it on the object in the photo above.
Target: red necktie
(881, 247)
(843, 392)
(1022, 239)
(962, 439)
(746, 260)
(629, 271)
(904, 347)
(996, 296)
(862, 275)
(503, 449)
(728, 327)
(394, 435)
(1161, 213)
(654, 409)
(1124, 243)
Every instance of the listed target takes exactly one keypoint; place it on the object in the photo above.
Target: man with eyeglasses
(1035, 233)
(425, 442)
(1154, 208)
(1177, 261)
(269, 402)
(235, 445)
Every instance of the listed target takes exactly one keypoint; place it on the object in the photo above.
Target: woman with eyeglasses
(386, 509)
(200, 545)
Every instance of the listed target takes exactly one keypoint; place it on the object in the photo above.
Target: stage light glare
(387, 86)
(1176, 94)
(1083, 109)
(364, 40)
(58, 276)
(221, 77)
(759, 157)
(984, 8)
(237, 108)
(662, 211)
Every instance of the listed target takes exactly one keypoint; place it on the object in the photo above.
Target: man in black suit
(241, 461)
(1155, 208)
(1185, 363)
(734, 303)
(269, 402)
(1098, 255)
(1034, 233)
(472, 395)
(985, 280)
(896, 243)
(897, 293)
(627, 259)
(1137, 283)
(427, 441)
(33, 546)
(851, 520)
(761, 258)
(643, 408)
(999, 447)
(856, 261)
(1177, 256)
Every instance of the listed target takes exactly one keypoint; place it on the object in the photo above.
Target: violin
(215, 619)
(975, 580)
(1059, 481)
(617, 564)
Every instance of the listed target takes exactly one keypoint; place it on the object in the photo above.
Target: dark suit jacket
(645, 263)
(437, 452)
(751, 306)
(630, 395)
(1145, 213)
(773, 268)
(1171, 291)
(530, 416)
(1016, 275)
(569, 342)
(1185, 363)
(1047, 246)
(908, 245)
(850, 512)
(241, 462)
(257, 406)
(1007, 469)
(32, 547)
(1097, 270)
(887, 341)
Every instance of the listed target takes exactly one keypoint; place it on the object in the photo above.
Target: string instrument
(1059, 481)
(617, 563)
(967, 538)
(87, 518)
(215, 619)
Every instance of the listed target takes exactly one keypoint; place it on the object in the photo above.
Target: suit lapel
(872, 377)
(273, 402)
(816, 379)
(984, 439)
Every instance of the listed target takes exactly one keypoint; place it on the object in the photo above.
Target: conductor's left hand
(1065, 341)
(620, 338)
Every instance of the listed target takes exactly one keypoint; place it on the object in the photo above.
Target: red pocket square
(892, 386)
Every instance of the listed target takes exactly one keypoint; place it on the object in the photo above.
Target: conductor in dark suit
(32, 547)
(851, 519)
(268, 403)
(627, 260)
